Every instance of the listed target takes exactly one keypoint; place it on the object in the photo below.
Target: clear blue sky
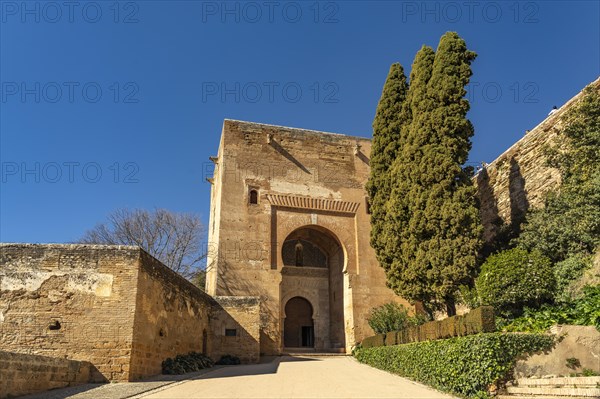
(138, 90)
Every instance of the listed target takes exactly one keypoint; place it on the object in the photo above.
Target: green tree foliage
(432, 230)
(515, 278)
(392, 317)
(390, 117)
(568, 271)
(569, 223)
(395, 236)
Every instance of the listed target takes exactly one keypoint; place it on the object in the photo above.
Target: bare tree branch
(173, 238)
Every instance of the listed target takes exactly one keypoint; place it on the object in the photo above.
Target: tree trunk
(450, 307)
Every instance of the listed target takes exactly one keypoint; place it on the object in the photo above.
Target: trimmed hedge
(375, 340)
(465, 366)
(480, 320)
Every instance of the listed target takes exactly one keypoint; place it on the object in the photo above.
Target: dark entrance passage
(313, 258)
(298, 329)
(308, 336)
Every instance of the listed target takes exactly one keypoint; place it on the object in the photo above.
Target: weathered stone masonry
(113, 306)
(21, 374)
(70, 301)
(290, 261)
(520, 177)
(289, 220)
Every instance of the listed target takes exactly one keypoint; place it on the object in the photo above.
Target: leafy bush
(182, 364)
(465, 366)
(228, 360)
(568, 271)
(589, 373)
(513, 279)
(392, 317)
(569, 223)
(584, 311)
(468, 296)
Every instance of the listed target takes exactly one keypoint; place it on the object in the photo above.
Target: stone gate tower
(289, 224)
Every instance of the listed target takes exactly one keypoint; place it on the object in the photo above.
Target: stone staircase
(553, 388)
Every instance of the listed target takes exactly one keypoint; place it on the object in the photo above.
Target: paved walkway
(298, 377)
(123, 390)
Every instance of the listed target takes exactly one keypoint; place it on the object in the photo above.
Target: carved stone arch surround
(340, 227)
(303, 293)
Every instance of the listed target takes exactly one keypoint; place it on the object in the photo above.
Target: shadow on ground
(268, 365)
(253, 369)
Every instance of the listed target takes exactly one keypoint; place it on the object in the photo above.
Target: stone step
(538, 391)
(313, 351)
(315, 354)
(559, 382)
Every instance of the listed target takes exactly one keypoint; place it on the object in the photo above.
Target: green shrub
(468, 296)
(465, 366)
(392, 317)
(583, 311)
(513, 279)
(569, 222)
(182, 364)
(589, 373)
(568, 271)
(228, 360)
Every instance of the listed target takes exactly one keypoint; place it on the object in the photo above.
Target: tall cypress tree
(402, 274)
(433, 217)
(387, 127)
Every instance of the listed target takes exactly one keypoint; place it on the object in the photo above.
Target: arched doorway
(298, 328)
(313, 262)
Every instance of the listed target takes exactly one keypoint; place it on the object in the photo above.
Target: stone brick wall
(579, 342)
(241, 314)
(74, 301)
(114, 306)
(305, 180)
(22, 374)
(520, 178)
(171, 318)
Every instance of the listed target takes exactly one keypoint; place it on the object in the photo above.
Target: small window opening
(253, 197)
(55, 326)
(231, 332)
(299, 254)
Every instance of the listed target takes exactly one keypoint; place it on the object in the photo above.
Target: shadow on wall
(288, 156)
(518, 197)
(488, 211)
(239, 286)
(498, 232)
(363, 157)
(235, 323)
